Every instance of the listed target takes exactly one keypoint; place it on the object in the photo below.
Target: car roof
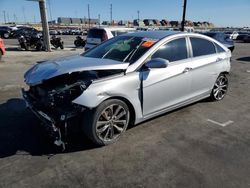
(153, 34)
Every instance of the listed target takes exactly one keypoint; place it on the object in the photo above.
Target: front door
(166, 87)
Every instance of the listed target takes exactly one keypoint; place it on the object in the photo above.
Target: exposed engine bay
(52, 99)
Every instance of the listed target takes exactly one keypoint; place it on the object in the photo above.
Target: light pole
(184, 16)
(45, 25)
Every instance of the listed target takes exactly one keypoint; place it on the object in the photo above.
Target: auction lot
(205, 144)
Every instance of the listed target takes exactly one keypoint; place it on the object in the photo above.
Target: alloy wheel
(112, 122)
(220, 87)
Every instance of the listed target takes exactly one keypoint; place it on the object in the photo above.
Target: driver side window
(174, 50)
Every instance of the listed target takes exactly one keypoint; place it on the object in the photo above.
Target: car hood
(77, 63)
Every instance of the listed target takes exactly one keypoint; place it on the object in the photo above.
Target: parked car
(234, 35)
(222, 38)
(96, 36)
(241, 36)
(246, 38)
(25, 31)
(53, 32)
(2, 48)
(126, 80)
(5, 32)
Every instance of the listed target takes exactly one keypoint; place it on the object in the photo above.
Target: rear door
(166, 87)
(205, 65)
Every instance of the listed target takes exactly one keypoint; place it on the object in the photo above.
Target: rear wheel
(220, 88)
(105, 124)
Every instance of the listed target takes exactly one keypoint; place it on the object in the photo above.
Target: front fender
(126, 86)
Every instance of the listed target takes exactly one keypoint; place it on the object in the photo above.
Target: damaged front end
(51, 101)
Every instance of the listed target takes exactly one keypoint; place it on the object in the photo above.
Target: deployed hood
(49, 69)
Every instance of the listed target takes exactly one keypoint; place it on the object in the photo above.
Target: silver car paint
(162, 89)
(77, 63)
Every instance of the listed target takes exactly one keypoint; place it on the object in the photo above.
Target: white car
(98, 35)
(234, 35)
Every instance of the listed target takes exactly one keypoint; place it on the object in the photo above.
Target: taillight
(104, 36)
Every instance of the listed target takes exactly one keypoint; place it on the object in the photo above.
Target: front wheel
(105, 124)
(220, 88)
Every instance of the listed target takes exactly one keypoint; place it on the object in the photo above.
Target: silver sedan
(126, 80)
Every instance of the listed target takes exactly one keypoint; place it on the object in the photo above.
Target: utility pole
(99, 20)
(138, 15)
(184, 16)
(45, 25)
(15, 18)
(111, 12)
(8, 17)
(89, 16)
(4, 16)
(24, 16)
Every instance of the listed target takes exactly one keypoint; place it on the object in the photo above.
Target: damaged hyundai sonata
(126, 80)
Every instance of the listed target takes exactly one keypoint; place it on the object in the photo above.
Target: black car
(21, 31)
(5, 32)
(246, 38)
(242, 36)
(222, 38)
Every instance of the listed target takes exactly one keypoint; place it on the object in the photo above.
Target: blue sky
(220, 12)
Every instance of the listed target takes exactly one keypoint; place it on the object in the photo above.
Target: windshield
(122, 48)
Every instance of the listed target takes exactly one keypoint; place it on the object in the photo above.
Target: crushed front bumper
(56, 123)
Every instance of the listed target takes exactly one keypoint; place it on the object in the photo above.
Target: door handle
(219, 59)
(187, 69)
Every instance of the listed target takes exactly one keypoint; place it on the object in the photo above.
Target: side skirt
(174, 107)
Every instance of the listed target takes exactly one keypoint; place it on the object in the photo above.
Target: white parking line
(220, 124)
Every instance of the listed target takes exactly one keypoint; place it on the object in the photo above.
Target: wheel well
(130, 106)
(225, 72)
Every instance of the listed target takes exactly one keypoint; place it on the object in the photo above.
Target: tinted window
(202, 47)
(218, 48)
(172, 51)
(95, 33)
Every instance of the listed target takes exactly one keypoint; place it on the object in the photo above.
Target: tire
(112, 116)
(39, 47)
(6, 35)
(26, 47)
(77, 43)
(62, 46)
(220, 88)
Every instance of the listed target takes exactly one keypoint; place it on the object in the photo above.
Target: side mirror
(157, 63)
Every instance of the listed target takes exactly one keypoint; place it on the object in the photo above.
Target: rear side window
(96, 33)
(219, 49)
(172, 51)
(202, 47)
